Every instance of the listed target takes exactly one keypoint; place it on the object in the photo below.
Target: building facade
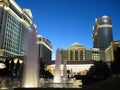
(74, 67)
(75, 51)
(78, 52)
(109, 52)
(15, 25)
(44, 48)
(97, 54)
(102, 32)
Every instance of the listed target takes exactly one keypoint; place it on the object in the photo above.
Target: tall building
(15, 25)
(44, 48)
(102, 32)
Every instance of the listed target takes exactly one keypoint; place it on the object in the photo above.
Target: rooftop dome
(105, 16)
(76, 44)
(39, 36)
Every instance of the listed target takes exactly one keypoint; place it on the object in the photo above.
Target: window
(71, 55)
(1, 21)
(0, 28)
(76, 55)
(81, 55)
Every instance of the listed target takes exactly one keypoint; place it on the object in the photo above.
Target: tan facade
(88, 55)
(109, 52)
(75, 52)
(97, 54)
(78, 52)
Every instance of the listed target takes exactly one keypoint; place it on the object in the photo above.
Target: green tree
(48, 74)
(98, 72)
(12, 65)
(42, 67)
(115, 65)
(17, 68)
(100, 68)
(7, 66)
(2, 70)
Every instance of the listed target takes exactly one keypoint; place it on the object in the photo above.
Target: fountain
(65, 72)
(30, 76)
(57, 75)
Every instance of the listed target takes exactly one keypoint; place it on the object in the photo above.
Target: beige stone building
(109, 52)
(78, 52)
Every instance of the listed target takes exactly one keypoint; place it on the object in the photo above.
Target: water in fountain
(30, 76)
(57, 75)
(65, 72)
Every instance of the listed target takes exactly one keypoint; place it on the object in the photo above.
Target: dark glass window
(81, 55)
(71, 55)
(76, 55)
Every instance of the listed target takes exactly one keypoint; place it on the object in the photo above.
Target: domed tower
(102, 32)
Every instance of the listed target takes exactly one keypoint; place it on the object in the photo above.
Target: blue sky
(64, 22)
